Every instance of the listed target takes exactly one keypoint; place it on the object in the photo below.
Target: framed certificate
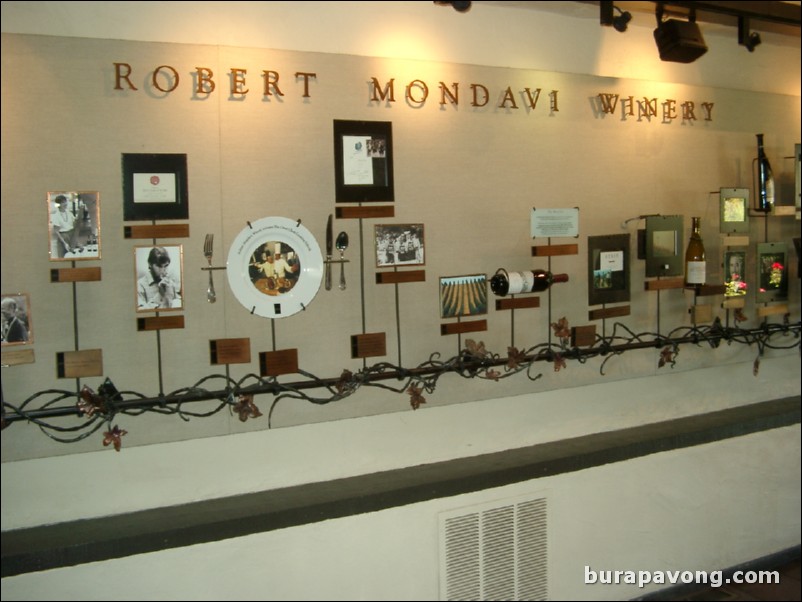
(363, 161)
(155, 187)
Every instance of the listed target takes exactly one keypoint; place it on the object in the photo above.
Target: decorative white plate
(275, 267)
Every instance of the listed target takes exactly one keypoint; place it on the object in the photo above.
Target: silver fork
(208, 244)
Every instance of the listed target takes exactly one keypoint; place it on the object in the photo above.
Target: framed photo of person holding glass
(159, 278)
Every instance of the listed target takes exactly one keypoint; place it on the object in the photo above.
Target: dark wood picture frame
(155, 187)
(363, 162)
(608, 269)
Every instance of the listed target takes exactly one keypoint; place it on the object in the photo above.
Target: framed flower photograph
(363, 161)
(463, 295)
(158, 277)
(155, 187)
(772, 272)
(73, 223)
(17, 327)
(735, 278)
(399, 245)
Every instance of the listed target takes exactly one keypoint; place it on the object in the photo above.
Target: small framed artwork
(608, 269)
(399, 244)
(463, 295)
(734, 210)
(735, 279)
(155, 187)
(73, 223)
(159, 277)
(17, 327)
(363, 161)
(772, 272)
(663, 248)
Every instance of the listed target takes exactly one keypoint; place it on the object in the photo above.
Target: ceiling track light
(750, 39)
(678, 41)
(461, 6)
(607, 16)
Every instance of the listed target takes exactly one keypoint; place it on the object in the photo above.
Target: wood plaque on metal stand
(554, 250)
(400, 277)
(664, 284)
(159, 323)
(608, 312)
(75, 275)
(276, 363)
(78, 364)
(368, 345)
(583, 336)
(157, 231)
(18, 357)
(517, 302)
(230, 351)
(371, 211)
(462, 327)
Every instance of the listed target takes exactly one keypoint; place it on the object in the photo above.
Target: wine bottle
(695, 257)
(531, 281)
(764, 199)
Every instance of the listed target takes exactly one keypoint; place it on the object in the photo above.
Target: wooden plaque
(517, 302)
(608, 312)
(369, 345)
(734, 303)
(157, 231)
(78, 364)
(772, 310)
(701, 313)
(17, 357)
(553, 250)
(159, 323)
(460, 327)
(372, 211)
(663, 284)
(276, 363)
(583, 336)
(75, 275)
(711, 289)
(734, 241)
(398, 277)
(230, 351)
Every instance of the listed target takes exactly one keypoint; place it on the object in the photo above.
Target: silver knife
(329, 250)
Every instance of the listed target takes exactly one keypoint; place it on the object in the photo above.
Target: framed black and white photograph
(17, 327)
(608, 269)
(734, 210)
(155, 187)
(73, 223)
(735, 278)
(363, 161)
(463, 295)
(772, 272)
(158, 271)
(399, 245)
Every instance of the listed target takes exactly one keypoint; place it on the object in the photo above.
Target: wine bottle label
(516, 282)
(695, 272)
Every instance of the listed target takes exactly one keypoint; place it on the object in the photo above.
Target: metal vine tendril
(91, 411)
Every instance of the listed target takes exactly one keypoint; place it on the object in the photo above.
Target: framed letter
(363, 161)
(155, 187)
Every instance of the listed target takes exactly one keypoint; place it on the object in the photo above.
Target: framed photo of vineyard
(463, 295)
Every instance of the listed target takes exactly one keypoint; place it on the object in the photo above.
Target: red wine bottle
(531, 281)
(764, 199)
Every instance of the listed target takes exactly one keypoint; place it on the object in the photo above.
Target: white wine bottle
(764, 199)
(695, 266)
(531, 281)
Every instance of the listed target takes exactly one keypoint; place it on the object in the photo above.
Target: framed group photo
(16, 319)
(158, 272)
(155, 187)
(73, 223)
(399, 245)
(363, 161)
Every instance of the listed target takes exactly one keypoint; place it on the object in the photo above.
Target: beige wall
(471, 176)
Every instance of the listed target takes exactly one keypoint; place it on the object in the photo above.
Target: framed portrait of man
(73, 220)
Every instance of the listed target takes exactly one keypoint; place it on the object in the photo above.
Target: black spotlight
(460, 6)
(750, 39)
(678, 41)
(606, 17)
